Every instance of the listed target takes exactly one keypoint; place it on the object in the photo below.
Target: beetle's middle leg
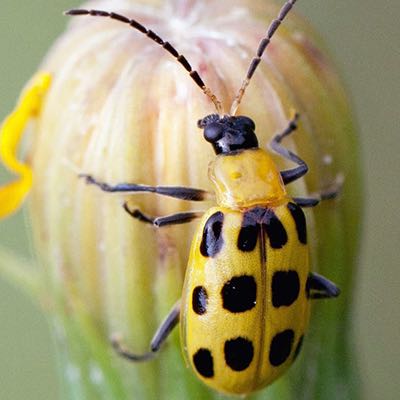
(328, 194)
(173, 219)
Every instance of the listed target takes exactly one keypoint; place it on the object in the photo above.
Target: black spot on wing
(239, 294)
(239, 353)
(285, 288)
(212, 240)
(199, 300)
(275, 230)
(247, 239)
(300, 221)
(204, 363)
(281, 347)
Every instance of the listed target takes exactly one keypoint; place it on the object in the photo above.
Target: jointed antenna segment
(260, 51)
(153, 36)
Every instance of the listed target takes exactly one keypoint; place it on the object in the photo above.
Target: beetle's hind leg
(159, 338)
(319, 287)
(173, 219)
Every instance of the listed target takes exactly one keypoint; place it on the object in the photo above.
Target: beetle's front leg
(177, 192)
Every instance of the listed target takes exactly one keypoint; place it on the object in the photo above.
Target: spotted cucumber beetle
(246, 299)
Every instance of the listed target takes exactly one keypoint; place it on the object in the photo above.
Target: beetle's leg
(318, 287)
(328, 194)
(173, 219)
(292, 174)
(159, 337)
(307, 202)
(178, 192)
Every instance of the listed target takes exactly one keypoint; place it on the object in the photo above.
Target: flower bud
(121, 109)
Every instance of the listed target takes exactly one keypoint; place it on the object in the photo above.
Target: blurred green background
(364, 37)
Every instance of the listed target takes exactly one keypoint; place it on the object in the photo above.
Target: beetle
(246, 300)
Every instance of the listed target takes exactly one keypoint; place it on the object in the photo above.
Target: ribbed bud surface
(120, 108)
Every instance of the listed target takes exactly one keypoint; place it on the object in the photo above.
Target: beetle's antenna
(165, 45)
(260, 51)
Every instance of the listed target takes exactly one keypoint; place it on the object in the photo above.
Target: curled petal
(13, 194)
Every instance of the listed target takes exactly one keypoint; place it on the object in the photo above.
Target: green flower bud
(121, 109)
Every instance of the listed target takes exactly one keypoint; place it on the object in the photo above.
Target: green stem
(20, 272)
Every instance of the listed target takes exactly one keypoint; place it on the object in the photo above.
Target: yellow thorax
(247, 178)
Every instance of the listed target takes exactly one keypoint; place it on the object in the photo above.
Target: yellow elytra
(244, 305)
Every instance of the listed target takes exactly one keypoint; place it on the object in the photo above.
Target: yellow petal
(13, 194)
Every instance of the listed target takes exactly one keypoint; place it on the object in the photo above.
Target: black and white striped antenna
(157, 39)
(260, 51)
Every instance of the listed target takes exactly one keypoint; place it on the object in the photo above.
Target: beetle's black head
(228, 134)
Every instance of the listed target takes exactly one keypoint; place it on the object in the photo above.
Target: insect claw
(88, 178)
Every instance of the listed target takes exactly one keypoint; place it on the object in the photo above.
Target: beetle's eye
(247, 123)
(250, 124)
(213, 132)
